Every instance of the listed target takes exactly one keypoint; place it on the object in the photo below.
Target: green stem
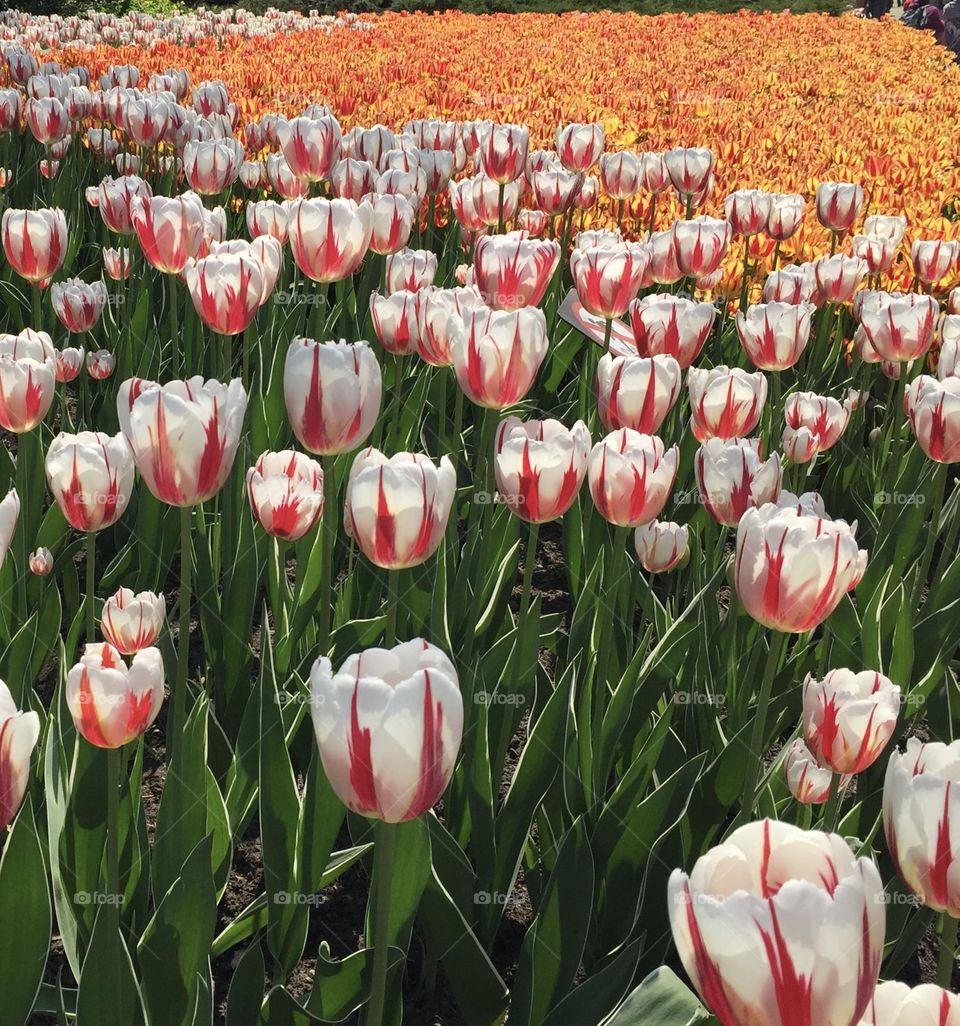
(91, 584)
(744, 286)
(183, 641)
(948, 950)
(500, 210)
(174, 324)
(392, 603)
(897, 443)
(397, 403)
(778, 642)
(113, 896)
(384, 849)
(653, 214)
(529, 563)
(37, 316)
(25, 519)
(328, 529)
(831, 809)
(939, 488)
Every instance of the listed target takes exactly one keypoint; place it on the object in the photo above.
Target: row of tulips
(566, 746)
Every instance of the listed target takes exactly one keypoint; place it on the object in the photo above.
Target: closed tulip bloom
(895, 1004)
(654, 176)
(838, 277)
(725, 402)
(608, 278)
(808, 782)
(933, 407)
(891, 227)
(47, 120)
(285, 490)
(27, 379)
(848, 718)
(41, 562)
(9, 515)
(252, 174)
(392, 222)
(823, 416)
(410, 270)
(388, 726)
(438, 313)
(11, 107)
(19, 733)
(601, 237)
(897, 329)
(267, 217)
(793, 567)
(791, 284)
(101, 364)
(502, 151)
(920, 803)
(540, 466)
(496, 365)
(512, 272)
(282, 179)
(329, 238)
(116, 263)
(838, 205)
(212, 165)
(689, 169)
(78, 305)
(332, 392)
(631, 475)
(410, 183)
(934, 259)
(145, 120)
(117, 196)
(91, 476)
(799, 445)
(948, 359)
(700, 245)
(311, 146)
(69, 363)
(661, 545)
(579, 147)
(395, 321)
(588, 193)
(169, 229)
(184, 434)
(533, 222)
(636, 391)
(369, 143)
(733, 476)
(807, 918)
(671, 326)
(35, 241)
(774, 335)
(876, 252)
(111, 703)
(748, 211)
(620, 174)
(555, 191)
(785, 215)
(131, 621)
(352, 179)
(226, 290)
(396, 508)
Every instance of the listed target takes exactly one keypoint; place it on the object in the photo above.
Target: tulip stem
(37, 308)
(745, 284)
(500, 209)
(393, 602)
(23, 474)
(831, 810)
(395, 417)
(328, 532)
(183, 641)
(653, 214)
(529, 563)
(939, 488)
(778, 641)
(113, 845)
(384, 849)
(948, 950)
(91, 586)
(174, 326)
(896, 446)
(776, 255)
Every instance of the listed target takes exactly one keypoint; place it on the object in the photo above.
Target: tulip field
(479, 521)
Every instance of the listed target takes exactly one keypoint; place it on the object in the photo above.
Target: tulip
(19, 733)
(388, 726)
(579, 147)
(808, 918)
(439, 321)
(599, 238)
(286, 493)
(587, 194)
(78, 305)
(69, 363)
(91, 476)
(700, 245)
(502, 152)
(47, 119)
(774, 335)
(184, 435)
(808, 782)
(823, 416)
(352, 179)
(438, 167)
(267, 217)
(211, 166)
(555, 191)
(170, 230)
(512, 272)
(725, 402)
(934, 410)
(933, 260)
(410, 270)
(252, 174)
(533, 222)
(799, 445)
(672, 326)
(116, 201)
(631, 476)
(748, 211)
(11, 107)
(636, 392)
(145, 120)
(329, 238)
(41, 562)
(793, 566)
(497, 358)
(897, 329)
(392, 223)
(27, 379)
(332, 392)
(689, 170)
(838, 277)
(227, 290)
(948, 359)
(117, 263)
(110, 703)
(876, 252)
(607, 278)
(661, 545)
(395, 321)
(35, 242)
(785, 215)
(310, 146)
(282, 179)
(890, 227)
(621, 175)
(733, 477)
(838, 205)
(411, 182)
(101, 364)
(131, 622)
(895, 1004)
(848, 718)
(791, 284)
(396, 508)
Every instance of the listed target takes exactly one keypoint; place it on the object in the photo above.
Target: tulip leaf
(245, 995)
(663, 999)
(108, 990)
(601, 992)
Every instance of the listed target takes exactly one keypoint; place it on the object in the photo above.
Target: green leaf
(108, 989)
(662, 999)
(246, 988)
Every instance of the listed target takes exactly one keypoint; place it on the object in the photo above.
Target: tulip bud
(282, 179)
(91, 476)
(227, 290)
(748, 211)
(621, 174)
(311, 146)
(689, 170)
(838, 277)
(131, 622)
(672, 326)
(934, 410)
(388, 726)
(502, 151)
(607, 278)
(808, 782)
(540, 466)
(117, 263)
(69, 363)
(838, 205)
(555, 191)
(700, 245)
(78, 305)
(512, 272)
(397, 509)
(791, 284)
(875, 252)
(110, 703)
(733, 477)
(41, 562)
(934, 260)
(117, 199)
(785, 215)
(774, 335)
(636, 392)
(410, 270)
(725, 402)
(579, 147)
(27, 379)
(395, 321)
(661, 545)
(35, 242)
(212, 165)
(329, 238)
(799, 445)
(19, 733)
(286, 493)
(170, 230)
(101, 364)
(631, 476)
